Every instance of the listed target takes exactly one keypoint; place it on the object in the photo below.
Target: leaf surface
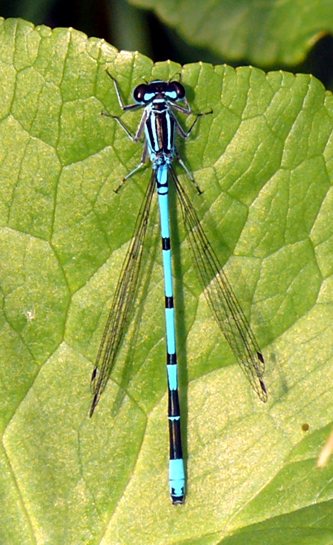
(264, 162)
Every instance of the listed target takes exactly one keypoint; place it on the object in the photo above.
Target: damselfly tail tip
(178, 500)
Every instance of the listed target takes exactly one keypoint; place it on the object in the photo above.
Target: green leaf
(264, 161)
(265, 33)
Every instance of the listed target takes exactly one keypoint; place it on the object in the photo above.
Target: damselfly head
(167, 90)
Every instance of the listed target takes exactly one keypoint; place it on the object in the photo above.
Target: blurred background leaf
(293, 35)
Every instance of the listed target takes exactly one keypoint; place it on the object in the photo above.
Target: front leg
(133, 137)
(123, 106)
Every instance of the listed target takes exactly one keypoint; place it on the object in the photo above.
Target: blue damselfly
(159, 126)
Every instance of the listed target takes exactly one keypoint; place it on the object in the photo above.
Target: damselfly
(159, 126)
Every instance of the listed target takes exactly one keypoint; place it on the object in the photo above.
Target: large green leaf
(264, 161)
(265, 33)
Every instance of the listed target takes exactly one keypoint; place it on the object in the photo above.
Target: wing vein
(122, 302)
(221, 297)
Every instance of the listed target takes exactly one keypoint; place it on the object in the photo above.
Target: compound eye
(139, 93)
(179, 89)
